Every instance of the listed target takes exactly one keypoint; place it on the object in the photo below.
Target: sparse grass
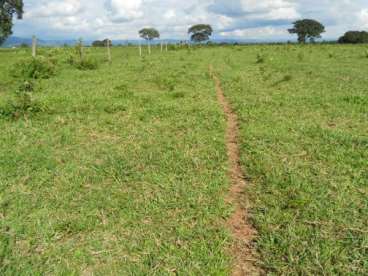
(125, 172)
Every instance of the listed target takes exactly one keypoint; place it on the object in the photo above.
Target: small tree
(200, 33)
(7, 10)
(307, 29)
(149, 34)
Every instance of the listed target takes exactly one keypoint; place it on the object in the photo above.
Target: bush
(86, 64)
(35, 68)
(23, 102)
(78, 59)
(260, 58)
(354, 37)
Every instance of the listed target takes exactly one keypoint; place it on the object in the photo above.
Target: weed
(39, 67)
(166, 82)
(177, 95)
(23, 103)
(260, 58)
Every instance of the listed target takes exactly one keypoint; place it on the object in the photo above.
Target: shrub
(86, 64)
(287, 78)
(79, 60)
(23, 102)
(260, 58)
(354, 37)
(35, 68)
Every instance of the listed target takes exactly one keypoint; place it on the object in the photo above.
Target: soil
(245, 257)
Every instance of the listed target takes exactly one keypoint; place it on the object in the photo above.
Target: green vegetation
(354, 37)
(305, 148)
(307, 29)
(199, 33)
(123, 169)
(8, 9)
(119, 176)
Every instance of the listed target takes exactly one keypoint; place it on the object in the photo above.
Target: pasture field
(122, 170)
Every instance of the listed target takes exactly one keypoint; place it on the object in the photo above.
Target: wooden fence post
(149, 47)
(140, 49)
(80, 46)
(108, 50)
(34, 46)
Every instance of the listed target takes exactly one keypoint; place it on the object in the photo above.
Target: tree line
(307, 30)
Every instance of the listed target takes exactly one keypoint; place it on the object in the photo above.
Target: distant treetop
(307, 29)
(149, 33)
(354, 37)
(103, 43)
(200, 32)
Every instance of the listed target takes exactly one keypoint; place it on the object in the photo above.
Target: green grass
(119, 176)
(304, 142)
(123, 170)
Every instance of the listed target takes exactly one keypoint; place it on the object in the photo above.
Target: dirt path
(242, 249)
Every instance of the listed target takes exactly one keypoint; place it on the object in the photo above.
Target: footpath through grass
(123, 174)
(304, 133)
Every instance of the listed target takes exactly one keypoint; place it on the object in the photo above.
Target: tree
(200, 32)
(149, 34)
(307, 29)
(354, 37)
(7, 10)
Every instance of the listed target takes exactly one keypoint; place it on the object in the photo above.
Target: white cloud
(54, 8)
(125, 10)
(121, 19)
(363, 18)
(255, 33)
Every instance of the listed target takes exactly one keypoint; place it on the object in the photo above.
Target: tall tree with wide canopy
(8, 8)
(307, 29)
(200, 32)
(149, 34)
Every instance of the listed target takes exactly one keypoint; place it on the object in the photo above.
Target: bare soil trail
(243, 250)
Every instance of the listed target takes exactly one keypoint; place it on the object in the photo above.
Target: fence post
(140, 49)
(108, 50)
(34, 46)
(80, 46)
(149, 47)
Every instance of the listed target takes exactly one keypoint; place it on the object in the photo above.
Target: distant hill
(14, 41)
(17, 41)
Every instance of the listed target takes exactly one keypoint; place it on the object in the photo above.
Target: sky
(231, 19)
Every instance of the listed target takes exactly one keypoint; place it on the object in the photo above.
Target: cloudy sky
(241, 19)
